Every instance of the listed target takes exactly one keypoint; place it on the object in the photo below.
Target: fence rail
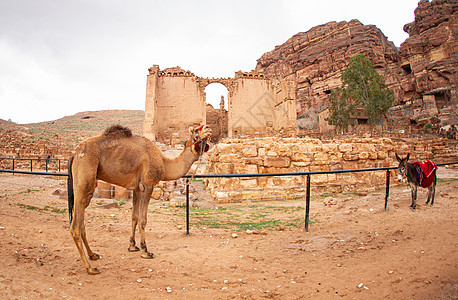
(307, 194)
(48, 162)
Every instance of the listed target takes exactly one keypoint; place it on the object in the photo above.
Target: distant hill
(61, 136)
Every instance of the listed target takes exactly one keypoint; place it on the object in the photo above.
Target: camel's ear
(397, 157)
(408, 155)
(191, 130)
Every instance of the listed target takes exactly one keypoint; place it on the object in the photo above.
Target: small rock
(361, 193)
(248, 231)
(390, 272)
(168, 289)
(179, 227)
(328, 201)
(234, 235)
(360, 285)
(281, 228)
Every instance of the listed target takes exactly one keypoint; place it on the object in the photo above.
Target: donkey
(416, 177)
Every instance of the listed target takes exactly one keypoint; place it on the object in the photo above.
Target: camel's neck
(177, 167)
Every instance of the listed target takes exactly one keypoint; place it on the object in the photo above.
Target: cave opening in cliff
(441, 99)
(406, 69)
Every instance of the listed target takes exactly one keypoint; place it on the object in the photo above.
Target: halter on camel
(198, 148)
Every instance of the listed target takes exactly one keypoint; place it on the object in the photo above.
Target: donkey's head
(402, 168)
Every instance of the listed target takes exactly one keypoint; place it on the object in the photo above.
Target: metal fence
(307, 174)
(48, 162)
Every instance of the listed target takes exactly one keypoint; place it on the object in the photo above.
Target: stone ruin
(176, 100)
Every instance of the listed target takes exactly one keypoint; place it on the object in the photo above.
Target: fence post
(31, 165)
(13, 165)
(307, 204)
(387, 191)
(187, 206)
(46, 165)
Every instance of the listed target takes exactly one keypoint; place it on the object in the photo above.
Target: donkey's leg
(413, 189)
(433, 190)
(135, 202)
(77, 231)
(143, 214)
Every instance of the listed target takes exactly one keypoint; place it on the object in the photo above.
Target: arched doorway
(216, 98)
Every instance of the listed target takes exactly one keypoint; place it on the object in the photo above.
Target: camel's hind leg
(83, 187)
(78, 232)
(143, 199)
(135, 202)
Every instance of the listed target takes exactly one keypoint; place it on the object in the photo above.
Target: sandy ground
(354, 249)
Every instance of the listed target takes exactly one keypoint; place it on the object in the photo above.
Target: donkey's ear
(397, 157)
(191, 130)
(408, 155)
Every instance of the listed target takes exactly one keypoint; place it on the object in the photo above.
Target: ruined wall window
(406, 69)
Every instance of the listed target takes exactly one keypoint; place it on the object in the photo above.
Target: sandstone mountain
(422, 73)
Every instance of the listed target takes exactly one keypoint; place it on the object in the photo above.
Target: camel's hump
(116, 131)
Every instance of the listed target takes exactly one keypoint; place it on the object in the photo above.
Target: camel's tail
(71, 196)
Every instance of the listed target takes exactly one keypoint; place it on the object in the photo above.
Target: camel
(131, 161)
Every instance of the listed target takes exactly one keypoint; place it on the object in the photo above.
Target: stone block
(363, 155)
(250, 151)
(301, 156)
(227, 158)
(277, 162)
(349, 156)
(346, 147)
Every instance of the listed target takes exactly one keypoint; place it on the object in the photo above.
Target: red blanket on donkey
(425, 172)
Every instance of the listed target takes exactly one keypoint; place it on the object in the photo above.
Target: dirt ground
(354, 249)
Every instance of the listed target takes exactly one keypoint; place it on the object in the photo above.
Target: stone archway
(175, 100)
(217, 110)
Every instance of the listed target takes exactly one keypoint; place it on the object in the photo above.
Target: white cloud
(63, 57)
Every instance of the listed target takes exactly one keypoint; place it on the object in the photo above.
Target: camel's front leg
(135, 202)
(143, 214)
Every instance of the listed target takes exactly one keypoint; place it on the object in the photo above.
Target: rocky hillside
(58, 138)
(422, 73)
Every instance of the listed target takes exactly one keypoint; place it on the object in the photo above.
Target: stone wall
(276, 155)
(176, 100)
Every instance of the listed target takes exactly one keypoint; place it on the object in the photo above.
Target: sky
(61, 57)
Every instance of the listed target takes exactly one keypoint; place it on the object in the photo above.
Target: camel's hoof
(94, 256)
(93, 271)
(147, 255)
(133, 249)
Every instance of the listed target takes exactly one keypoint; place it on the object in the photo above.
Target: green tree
(340, 108)
(363, 87)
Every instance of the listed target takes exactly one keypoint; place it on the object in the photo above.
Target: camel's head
(199, 138)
